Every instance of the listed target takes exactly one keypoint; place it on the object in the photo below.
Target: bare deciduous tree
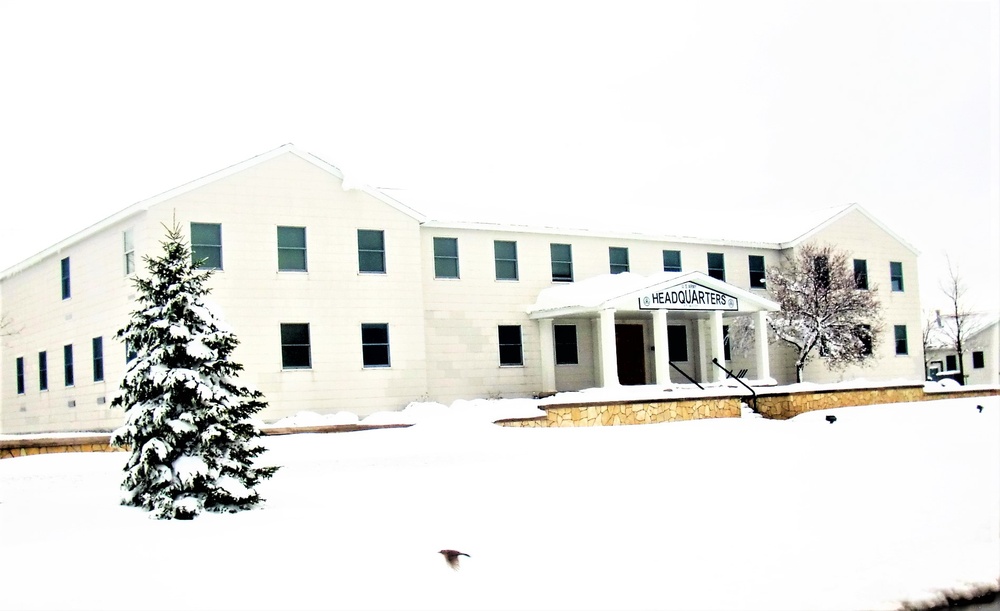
(823, 310)
(958, 323)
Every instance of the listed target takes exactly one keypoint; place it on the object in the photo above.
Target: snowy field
(889, 505)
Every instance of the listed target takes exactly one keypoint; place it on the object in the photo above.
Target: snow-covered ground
(888, 505)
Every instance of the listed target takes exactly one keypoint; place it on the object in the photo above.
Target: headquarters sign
(688, 296)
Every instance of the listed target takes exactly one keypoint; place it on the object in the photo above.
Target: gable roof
(941, 333)
(841, 214)
(146, 204)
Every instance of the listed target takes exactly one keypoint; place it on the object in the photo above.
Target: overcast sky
(565, 112)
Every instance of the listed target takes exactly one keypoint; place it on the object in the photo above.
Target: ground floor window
(97, 345)
(978, 359)
(20, 375)
(295, 347)
(951, 362)
(566, 347)
(43, 371)
(677, 343)
(511, 352)
(375, 344)
(864, 335)
(68, 364)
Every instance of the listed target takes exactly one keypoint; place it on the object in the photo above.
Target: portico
(634, 320)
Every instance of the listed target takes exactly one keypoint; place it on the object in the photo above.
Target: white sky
(596, 113)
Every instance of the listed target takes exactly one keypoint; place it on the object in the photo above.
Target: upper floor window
(821, 270)
(510, 345)
(446, 257)
(64, 274)
(505, 258)
(896, 275)
(717, 265)
(68, 364)
(128, 252)
(371, 251)
(295, 348)
(619, 259)
(757, 280)
(671, 260)
(97, 346)
(43, 371)
(900, 332)
(206, 245)
(20, 375)
(566, 346)
(292, 249)
(861, 274)
(562, 262)
(375, 344)
(978, 359)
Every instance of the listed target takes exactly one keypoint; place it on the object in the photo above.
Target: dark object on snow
(451, 557)
(980, 408)
(831, 418)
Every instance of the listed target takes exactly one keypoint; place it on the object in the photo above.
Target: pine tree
(187, 417)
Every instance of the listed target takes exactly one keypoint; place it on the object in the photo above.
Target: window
(97, 345)
(562, 262)
(978, 359)
(864, 335)
(128, 252)
(861, 274)
(68, 364)
(375, 345)
(130, 353)
(371, 251)
(757, 280)
(43, 371)
(896, 276)
(64, 273)
(951, 362)
(295, 346)
(727, 352)
(510, 344)
(619, 259)
(292, 249)
(446, 257)
(934, 368)
(677, 343)
(717, 265)
(206, 245)
(671, 260)
(565, 340)
(505, 258)
(821, 270)
(20, 375)
(900, 332)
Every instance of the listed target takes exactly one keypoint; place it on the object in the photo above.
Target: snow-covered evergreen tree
(825, 308)
(187, 417)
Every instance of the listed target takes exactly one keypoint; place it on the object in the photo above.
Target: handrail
(716, 362)
(690, 379)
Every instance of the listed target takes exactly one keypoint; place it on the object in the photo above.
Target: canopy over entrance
(690, 296)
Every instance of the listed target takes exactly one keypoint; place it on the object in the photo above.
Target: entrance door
(631, 354)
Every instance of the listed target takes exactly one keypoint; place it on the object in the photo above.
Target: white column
(760, 345)
(704, 359)
(718, 345)
(609, 353)
(662, 353)
(547, 343)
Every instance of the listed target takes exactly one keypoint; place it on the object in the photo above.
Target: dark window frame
(861, 274)
(896, 276)
(899, 333)
(978, 359)
(821, 270)
(43, 370)
(505, 263)
(619, 264)
(292, 348)
(758, 277)
(375, 354)
(951, 362)
(200, 249)
(293, 249)
(677, 343)
(444, 258)
(562, 268)
(19, 369)
(717, 265)
(864, 333)
(669, 265)
(371, 256)
(68, 373)
(566, 343)
(507, 345)
(64, 278)
(97, 350)
(128, 251)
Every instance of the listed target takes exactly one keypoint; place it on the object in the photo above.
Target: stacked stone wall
(622, 412)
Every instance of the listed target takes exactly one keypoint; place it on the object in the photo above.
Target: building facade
(345, 299)
(979, 362)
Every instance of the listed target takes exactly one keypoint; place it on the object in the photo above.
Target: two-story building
(346, 299)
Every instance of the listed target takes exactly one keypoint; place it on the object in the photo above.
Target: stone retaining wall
(781, 406)
(629, 412)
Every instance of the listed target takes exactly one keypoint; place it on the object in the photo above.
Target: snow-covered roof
(942, 330)
(146, 204)
(622, 291)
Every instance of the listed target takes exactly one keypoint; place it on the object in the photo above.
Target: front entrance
(631, 352)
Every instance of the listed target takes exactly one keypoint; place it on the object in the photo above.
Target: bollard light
(831, 418)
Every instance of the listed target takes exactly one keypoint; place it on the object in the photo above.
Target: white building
(347, 299)
(980, 348)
